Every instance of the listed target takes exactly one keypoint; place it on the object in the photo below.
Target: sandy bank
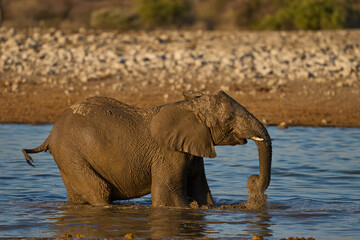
(294, 78)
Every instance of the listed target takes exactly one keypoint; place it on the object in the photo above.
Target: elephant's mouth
(232, 139)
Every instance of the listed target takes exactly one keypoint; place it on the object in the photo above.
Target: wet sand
(283, 78)
(39, 104)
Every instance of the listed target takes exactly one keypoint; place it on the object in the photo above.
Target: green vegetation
(309, 15)
(192, 14)
(113, 18)
(162, 12)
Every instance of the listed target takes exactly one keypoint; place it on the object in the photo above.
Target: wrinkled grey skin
(107, 150)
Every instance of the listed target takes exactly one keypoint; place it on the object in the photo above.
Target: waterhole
(314, 192)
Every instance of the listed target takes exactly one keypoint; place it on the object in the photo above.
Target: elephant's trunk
(259, 183)
(265, 157)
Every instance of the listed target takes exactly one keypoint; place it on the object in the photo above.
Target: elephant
(107, 150)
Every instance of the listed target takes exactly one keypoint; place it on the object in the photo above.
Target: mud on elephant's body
(107, 150)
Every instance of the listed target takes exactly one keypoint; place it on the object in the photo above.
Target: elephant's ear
(181, 130)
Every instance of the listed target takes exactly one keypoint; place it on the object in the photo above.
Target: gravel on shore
(289, 78)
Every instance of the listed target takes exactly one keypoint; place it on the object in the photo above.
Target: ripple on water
(314, 192)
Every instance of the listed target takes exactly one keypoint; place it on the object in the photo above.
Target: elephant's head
(201, 121)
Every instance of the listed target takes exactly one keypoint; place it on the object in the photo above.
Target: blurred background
(127, 15)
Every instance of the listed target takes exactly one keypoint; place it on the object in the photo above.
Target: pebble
(183, 61)
(166, 96)
(129, 236)
(265, 121)
(283, 125)
(14, 87)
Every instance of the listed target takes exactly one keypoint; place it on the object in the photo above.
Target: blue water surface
(314, 192)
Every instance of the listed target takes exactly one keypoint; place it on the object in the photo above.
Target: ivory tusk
(257, 139)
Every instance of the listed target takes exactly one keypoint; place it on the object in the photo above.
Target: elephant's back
(104, 108)
(102, 118)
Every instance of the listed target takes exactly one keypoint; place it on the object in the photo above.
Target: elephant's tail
(43, 147)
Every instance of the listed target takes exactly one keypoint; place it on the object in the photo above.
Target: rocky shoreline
(289, 78)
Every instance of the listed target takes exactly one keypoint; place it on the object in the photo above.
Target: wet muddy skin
(312, 193)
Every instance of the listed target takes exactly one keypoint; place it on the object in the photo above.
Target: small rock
(129, 236)
(30, 43)
(224, 88)
(272, 82)
(265, 121)
(63, 81)
(14, 87)
(11, 32)
(282, 125)
(194, 204)
(145, 83)
(117, 86)
(339, 84)
(311, 75)
(58, 33)
(84, 78)
(191, 45)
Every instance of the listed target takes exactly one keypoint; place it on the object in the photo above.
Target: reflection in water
(260, 226)
(118, 220)
(167, 222)
(154, 222)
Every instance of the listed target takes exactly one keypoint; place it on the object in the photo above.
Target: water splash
(256, 201)
(257, 198)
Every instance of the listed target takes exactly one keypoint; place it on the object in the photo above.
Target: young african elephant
(107, 150)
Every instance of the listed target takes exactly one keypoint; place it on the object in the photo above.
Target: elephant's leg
(198, 188)
(83, 184)
(73, 196)
(168, 189)
(165, 195)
